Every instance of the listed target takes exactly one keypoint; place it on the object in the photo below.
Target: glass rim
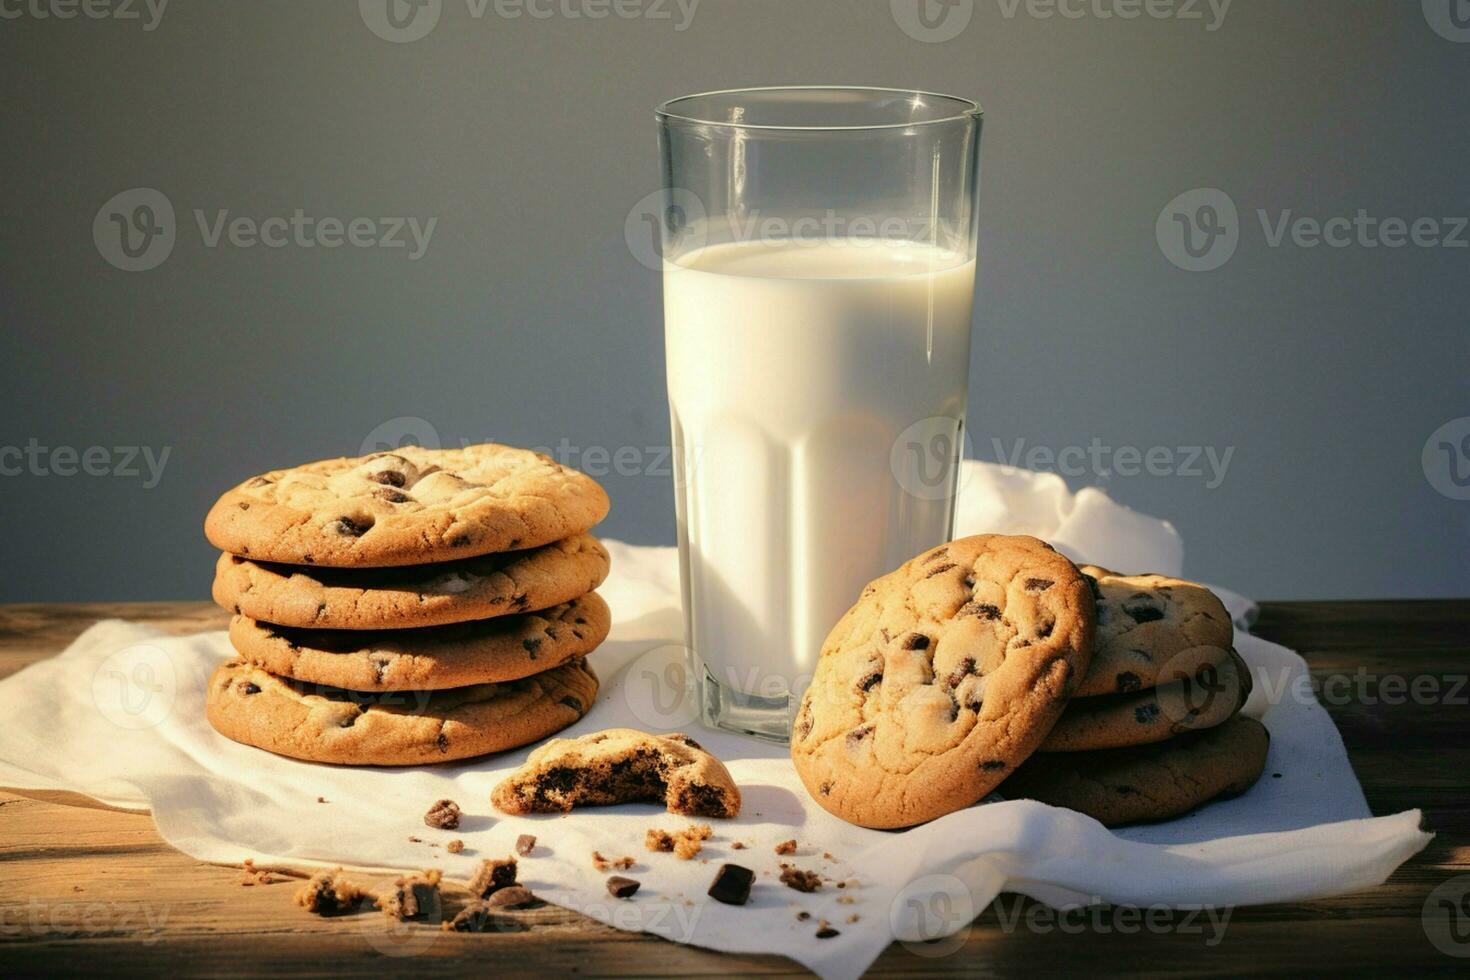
(965, 109)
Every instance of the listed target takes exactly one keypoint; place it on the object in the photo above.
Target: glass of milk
(819, 275)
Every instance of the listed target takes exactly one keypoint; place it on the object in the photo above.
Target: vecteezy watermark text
(937, 21)
(136, 230)
(1099, 459)
(402, 21)
(128, 462)
(148, 12)
(1199, 230)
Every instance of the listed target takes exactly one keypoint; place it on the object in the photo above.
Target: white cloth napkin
(119, 716)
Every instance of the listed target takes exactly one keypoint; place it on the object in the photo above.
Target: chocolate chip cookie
(430, 658)
(1147, 782)
(620, 765)
(1144, 621)
(944, 676)
(1205, 694)
(425, 595)
(324, 724)
(406, 507)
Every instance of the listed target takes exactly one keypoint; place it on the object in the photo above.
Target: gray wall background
(529, 320)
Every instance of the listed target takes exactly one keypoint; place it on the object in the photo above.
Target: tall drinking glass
(819, 274)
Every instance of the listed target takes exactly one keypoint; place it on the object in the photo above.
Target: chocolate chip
(732, 884)
(1038, 584)
(827, 932)
(916, 641)
(1144, 614)
(349, 528)
(1145, 713)
(858, 734)
(825, 789)
(939, 569)
(620, 887)
(804, 720)
(251, 688)
(1128, 681)
(937, 554)
(1044, 630)
(992, 765)
(803, 916)
(681, 737)
(244, 506)
(390, 495)
(525, 844)
(982, 610)
(459, 541)
(443, 815)
(964, 669)
(869, 680)
(571, 702)
(391, 478)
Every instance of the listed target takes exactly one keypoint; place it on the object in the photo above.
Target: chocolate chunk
(963, 669)
(350, 528)
(571, 702)
(1143, 611)
(525, 844)
(250, 688)
(443, 815)
(859, 733)
(1038, 584)
(992, 765)
(390, 495)
(1128, 681)
(916, 641)
(620, 887)
(981, 610)
(531, 645)
(389, 478)
(732, 884)
(825, 930)
(478, 917)
(1145, 713)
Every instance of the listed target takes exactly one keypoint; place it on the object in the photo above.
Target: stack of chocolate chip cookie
(408, 607)
(1153, 728)
(994, 663)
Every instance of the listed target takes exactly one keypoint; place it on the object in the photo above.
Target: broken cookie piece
(802, 881)
(786, 847)
(455, 846)
(684, 844)
(443, 815)
(328, 893)
(414, 897)
(513, 897)
(620, 765)
(604, 863)
(493, 875)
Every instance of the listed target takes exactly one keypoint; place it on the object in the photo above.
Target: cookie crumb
(737, 845)
(414, 896)
(603, 863)
(493, 875)
(802, 881)
(828, 856)
(443, 815)
(415, 840)
(525, 844)
(455, 846)
(786, 847)
(620, 887)
(685, 844)
(845, 900)
(803, 916)
(322, 799)
(329, 893)
(852, 918)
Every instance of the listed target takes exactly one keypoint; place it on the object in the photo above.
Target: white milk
(793, 370)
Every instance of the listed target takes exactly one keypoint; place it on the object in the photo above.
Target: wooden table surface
(84, 887)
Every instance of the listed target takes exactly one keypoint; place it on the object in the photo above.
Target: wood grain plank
(84, 887)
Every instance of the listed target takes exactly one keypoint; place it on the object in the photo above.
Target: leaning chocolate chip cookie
(423, 595)
(431, 658)
(1195, 695)
(620, 765)
(1148, 782)
(1143, 622)
(406, 507)
(944, 676)
(406, 728)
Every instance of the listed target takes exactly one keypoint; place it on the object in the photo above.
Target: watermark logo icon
(1446, 916)
(395, 433)
(134, 688)
(931, 916)
(659, 688)
(1446, 459)
(925, 458)
(400, 21)
(135, 230)
(932, 21)
(1199, 230)
(1450, 19)
(666, 221)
